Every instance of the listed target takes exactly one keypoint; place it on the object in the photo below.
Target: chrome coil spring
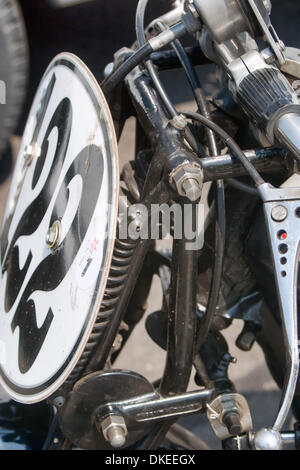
(121, 259)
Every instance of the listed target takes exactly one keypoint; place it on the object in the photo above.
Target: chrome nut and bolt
(114, 431)
(54, 235)
(229, 415)
(188, 180)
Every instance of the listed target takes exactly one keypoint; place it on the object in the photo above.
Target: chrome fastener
(53, 235)
(188, 180)
(31, 151)
(114, 431)
(279, 213)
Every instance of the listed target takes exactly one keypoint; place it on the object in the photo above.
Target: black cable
(141, 40)
(110, 83)
(229, 142)
(197, 91)
(217, 270)
(220, 227)
(52, 430)
(219, 185)
(246, 188)
(160, 431)
(140, 21)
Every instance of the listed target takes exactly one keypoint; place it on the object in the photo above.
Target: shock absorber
(123, 252)
(120, 265)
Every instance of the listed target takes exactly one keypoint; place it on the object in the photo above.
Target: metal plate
(66, 172)
(78, 415)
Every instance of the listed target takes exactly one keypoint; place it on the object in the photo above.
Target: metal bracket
(282, 214)
(270, 34)
(292, 63)
(124, 403)
(152, 408)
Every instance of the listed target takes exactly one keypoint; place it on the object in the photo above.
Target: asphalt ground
(94, 31)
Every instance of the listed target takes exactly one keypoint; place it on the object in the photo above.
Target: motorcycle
(80, 243)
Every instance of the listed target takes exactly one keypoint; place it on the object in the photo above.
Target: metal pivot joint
(117, 408)
(229, 415)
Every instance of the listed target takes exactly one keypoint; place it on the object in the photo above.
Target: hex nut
(191, 189)
(188, 180)
(224, 404)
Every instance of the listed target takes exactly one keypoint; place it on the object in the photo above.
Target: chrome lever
(282, 214)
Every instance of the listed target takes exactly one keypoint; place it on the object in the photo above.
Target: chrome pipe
(287, 132)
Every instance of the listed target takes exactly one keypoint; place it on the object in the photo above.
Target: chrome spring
(122, 254)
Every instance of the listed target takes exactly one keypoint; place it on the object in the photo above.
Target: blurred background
(94, 31)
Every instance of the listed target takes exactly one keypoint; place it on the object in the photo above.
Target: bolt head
(192, 189)
(279, 213)
(233, 423)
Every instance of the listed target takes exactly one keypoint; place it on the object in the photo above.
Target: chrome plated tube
(287, 132)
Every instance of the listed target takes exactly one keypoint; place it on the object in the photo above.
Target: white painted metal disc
(66, 172)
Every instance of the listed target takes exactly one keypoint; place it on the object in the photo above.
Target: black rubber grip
(265, 95)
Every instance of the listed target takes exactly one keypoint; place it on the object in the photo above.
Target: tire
(13, 76)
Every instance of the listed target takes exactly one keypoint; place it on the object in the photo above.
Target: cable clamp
(179, 122)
